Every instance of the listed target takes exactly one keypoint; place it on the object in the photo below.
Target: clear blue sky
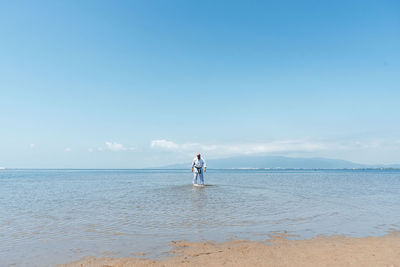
(128, 84)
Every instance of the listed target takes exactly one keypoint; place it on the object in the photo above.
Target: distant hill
(394, 166)
(276, 162)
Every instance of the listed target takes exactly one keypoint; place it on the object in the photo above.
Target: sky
(135, 84)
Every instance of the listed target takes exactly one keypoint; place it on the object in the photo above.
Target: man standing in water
(198, 165)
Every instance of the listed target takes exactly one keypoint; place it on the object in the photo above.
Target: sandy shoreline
(278, 251)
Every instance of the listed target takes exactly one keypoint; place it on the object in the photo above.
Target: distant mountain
(394, 166)
(276, 162)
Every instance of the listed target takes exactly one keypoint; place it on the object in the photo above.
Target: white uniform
(198, 165)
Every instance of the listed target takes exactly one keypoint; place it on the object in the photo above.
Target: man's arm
(192, 165)
(205, 165)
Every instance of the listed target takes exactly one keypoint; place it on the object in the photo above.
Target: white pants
(198, 174)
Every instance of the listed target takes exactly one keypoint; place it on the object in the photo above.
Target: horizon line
(171, 169)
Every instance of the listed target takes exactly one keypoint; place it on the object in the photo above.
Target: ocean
(50, 217)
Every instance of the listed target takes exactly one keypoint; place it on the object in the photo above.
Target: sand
(278, 251)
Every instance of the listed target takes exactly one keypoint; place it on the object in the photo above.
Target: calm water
(55, 216)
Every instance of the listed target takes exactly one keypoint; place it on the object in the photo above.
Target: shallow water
(56, 216)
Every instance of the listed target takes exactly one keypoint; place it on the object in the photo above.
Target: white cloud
(117, 147)
(163, 144)
(376, 143)
(169, 145)
(67, 149)
(282, 146)
(32, 146)
(90, 149)
(99, 149)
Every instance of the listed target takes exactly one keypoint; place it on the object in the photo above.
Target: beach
(242, 217)
(278, 251)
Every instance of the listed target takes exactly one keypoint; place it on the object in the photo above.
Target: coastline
(278, 251)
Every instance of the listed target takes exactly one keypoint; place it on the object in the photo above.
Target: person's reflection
(199, 201)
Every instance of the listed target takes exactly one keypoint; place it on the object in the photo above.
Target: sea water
(49, 217)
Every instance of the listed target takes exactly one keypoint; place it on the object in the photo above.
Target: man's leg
(201, 178)
(195, 177)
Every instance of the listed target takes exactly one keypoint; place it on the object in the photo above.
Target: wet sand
(277, 251)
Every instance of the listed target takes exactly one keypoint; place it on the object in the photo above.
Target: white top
(199, 163)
